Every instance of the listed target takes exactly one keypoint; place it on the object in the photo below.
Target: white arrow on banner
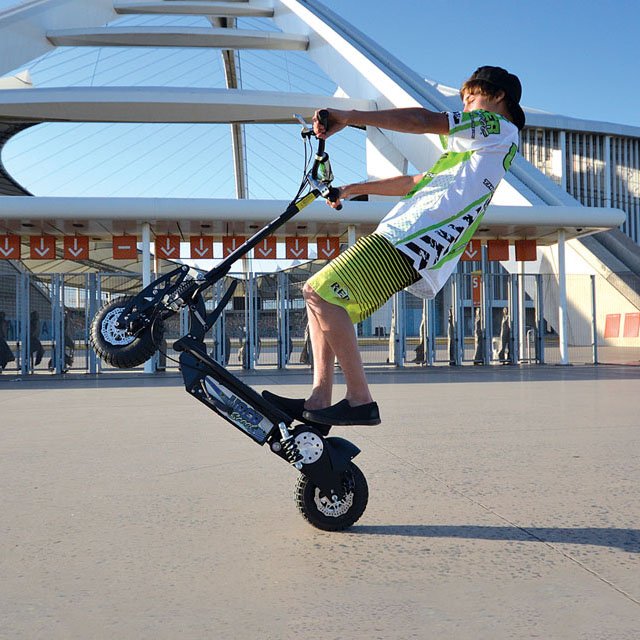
(263, 251)
(168, 249)
(469, 253)
(7, 250)
(297, 251)
(75, 251)
(201, 250)
(42, 250)
(327, 250)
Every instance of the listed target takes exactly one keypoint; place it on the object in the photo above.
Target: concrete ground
(503, 504)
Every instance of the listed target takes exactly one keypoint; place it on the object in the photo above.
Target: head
(494, 89)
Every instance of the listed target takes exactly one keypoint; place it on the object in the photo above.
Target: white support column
(522, 329)
(146, 275)
(562, 299)
(351, 235)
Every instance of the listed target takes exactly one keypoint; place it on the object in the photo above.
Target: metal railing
(46, 321)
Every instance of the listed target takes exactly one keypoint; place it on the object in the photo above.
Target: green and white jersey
(434, 222)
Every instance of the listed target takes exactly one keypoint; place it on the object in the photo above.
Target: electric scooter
(331, 492)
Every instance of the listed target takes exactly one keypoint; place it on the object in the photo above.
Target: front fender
(340, 452)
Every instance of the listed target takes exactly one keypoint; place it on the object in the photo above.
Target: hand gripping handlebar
(321, 161)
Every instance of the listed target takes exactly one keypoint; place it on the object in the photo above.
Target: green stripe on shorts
(364, 277)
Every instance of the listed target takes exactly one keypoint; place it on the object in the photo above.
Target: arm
(396, 186)
(409, 120)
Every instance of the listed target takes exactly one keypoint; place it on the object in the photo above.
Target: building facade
(598, 163)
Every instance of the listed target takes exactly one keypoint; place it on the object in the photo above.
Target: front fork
(322, 459)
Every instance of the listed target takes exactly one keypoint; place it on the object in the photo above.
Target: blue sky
(575, 57)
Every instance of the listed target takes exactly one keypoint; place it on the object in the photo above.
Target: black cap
(509, 83)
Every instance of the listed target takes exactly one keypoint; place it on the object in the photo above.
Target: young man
(417, 244)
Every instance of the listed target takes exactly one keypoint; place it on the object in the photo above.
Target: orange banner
(498, 249)
(125, 247)
(42, 247)
(9, 247)
(266, 250)
(472, 252)
(328, 248)
(76, 248)
(168, 247)
(231, 243)
(201, 247)
(297, 248)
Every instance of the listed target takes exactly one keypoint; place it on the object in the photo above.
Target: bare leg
(323, 359)
(332, 334)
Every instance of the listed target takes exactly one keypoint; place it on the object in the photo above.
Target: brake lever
(307, 130)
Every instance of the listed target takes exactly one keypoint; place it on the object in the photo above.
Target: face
(473, 101)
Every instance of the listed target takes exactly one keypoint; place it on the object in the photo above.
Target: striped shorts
(364, 277)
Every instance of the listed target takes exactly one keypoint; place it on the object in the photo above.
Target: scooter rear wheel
(114, 345)
(328, 512)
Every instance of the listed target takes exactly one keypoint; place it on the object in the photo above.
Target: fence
(476, 319)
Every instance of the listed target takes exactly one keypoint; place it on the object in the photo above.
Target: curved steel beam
(176, 37)
(220, 9)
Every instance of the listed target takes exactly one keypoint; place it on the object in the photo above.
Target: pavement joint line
(524, 530)
(204, 466)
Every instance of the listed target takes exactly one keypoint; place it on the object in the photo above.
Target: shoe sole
(363, 423)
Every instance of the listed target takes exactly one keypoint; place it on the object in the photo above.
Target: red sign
(231, 243)
(328, 247)
(9, 247)
(76, 248)
(125, 247)
(266, 250)
(168, 247)
(476, 289)
(473, 251)
(498, 249)
(526, 250)
(297, 248)
(612, 325)
(631, 325)
(201, 247)
(42, 247)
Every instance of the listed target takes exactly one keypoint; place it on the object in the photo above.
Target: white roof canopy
(100, 218)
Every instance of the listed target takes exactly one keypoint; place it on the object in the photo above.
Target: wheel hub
(332, 506)
(113, 334)
(310, 447)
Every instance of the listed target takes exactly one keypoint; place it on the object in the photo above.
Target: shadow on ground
(625, 539)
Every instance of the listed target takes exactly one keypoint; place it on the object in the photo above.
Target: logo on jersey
(431, 248)
(487, 183)
(489, 123)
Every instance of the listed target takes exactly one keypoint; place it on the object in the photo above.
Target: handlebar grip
(323, 118)
(334, 196)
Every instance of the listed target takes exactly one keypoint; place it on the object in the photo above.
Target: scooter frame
(323, 460)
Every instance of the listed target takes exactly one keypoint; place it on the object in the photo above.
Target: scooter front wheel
(331, 512)
(117, 347)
